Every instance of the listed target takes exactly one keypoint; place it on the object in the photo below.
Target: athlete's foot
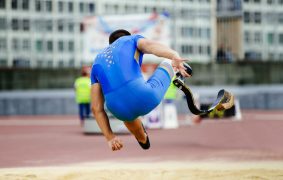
(145, 144)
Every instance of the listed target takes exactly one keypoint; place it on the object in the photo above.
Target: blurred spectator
(82, 87)
(171, 93)
(221, 56)
(229, 55)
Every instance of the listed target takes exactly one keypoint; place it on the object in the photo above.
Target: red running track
(58, 140)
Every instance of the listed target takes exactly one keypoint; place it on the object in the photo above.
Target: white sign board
(97, 29)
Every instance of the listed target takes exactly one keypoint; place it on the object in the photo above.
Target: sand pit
(154, 171)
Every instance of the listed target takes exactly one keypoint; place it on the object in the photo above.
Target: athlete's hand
(178, 65)
(115, 144)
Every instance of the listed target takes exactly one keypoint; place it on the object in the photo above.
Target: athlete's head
(117, 34)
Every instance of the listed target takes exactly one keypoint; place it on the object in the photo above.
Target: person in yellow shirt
(82, 89)
(171, 93)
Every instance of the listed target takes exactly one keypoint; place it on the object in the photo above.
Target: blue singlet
(118, 69)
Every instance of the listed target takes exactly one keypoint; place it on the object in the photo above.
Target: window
(269, 1)
(49, 46)
(48, 6)
(3, 23)
(91, 7)
(208, 50)
(2, 4)
(257, 17)
(25, 4)
(15, 44)
(70, 7)
(26, 25)
(280, 18)
(3, 63)
(247, 17)
(3, 44)
(49, 25)
(39, 45)
(37, 5)
(14, 4)
(60, 26)
(61, 46)
(247, 37)
(257, 37)
(61, 63)
(60, 6)
(26, 44)
(71, 46)
(15, 24)
(81, 7)
(270, 38)
(257, 1)
(280, 38)
(71, 27)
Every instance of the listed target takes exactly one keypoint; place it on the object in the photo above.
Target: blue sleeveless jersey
(118, 70)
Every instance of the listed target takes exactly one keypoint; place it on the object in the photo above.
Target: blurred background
(44, 44)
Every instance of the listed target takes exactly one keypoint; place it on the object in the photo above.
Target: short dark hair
(117, 34)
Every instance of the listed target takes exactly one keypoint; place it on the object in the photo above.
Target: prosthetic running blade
(224, 100)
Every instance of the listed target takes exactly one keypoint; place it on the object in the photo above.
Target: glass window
(61, 63)
(71, 46)
(3, 44)
(81, 7)
(208, 50)
(270, 38)
(15, 44)
(280, 2)
(3, 23)
(14, 4)
(2, 4)
(257, 37)
(25, 4)
(91, 7)
(269, 1)
(3, 63)
(26, 25)
(281, 38)
(15, 24)
(49, 25)
(247, 17)
(257, 1)
(39, 45)
(280, 18)
(60, 6)
(49, 46)
(247, 37)
(49, 63)
(26, 44)
(37, 5)
(70, 7)
(71, 27)
(48, 6)
(60, 26)
(61, 46)
(257, 17)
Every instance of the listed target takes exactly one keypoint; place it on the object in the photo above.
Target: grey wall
(62, 101)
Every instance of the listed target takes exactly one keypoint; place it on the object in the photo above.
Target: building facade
(263, 29)
(47, 33)
(252, 29)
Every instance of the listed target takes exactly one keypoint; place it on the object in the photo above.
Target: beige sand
(151, 171)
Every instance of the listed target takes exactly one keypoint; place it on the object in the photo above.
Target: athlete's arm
(152, 47)
(97, 107)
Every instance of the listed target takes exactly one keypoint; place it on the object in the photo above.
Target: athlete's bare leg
(136, 128)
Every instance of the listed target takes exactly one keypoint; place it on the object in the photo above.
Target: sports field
(54, 147)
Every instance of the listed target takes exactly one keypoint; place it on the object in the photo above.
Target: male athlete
(117, 79)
